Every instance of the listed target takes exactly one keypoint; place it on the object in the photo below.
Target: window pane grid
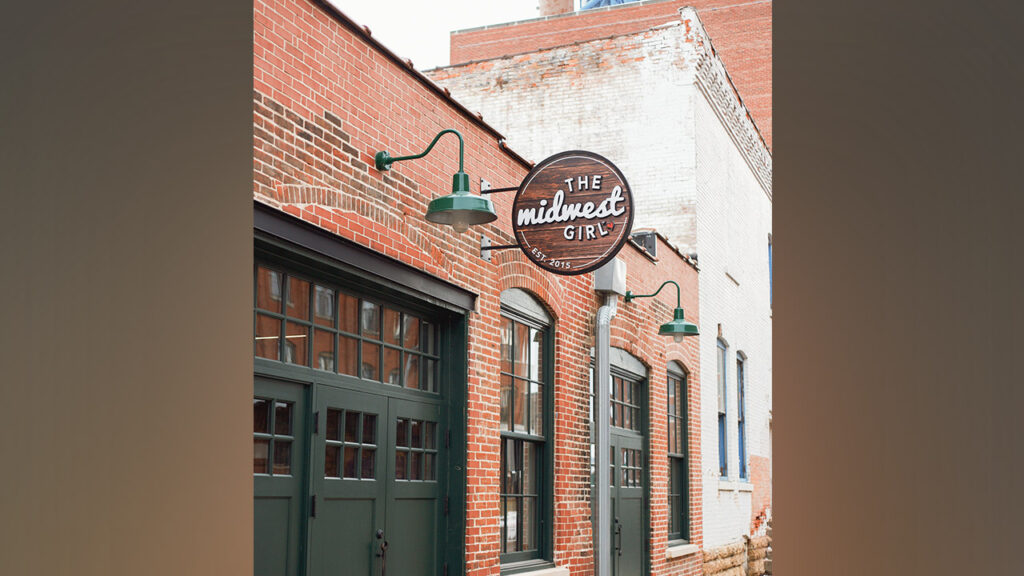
(625, 407)
(519, 493)
(677, 466)
(272, 437)
(741, 448)
(723, 456)
(522, 393)
(677, 499)
(350, 447)
(631, 468)
(324, 328)
(677, 416)
(415, 450)
(522, 397)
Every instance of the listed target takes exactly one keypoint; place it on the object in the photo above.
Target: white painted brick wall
(635, 99)
(733, 225)
(630, 104)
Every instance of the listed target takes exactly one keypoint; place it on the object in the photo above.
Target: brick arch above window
(528, 304)
(677, 367)
(345, 210)
(626, 360)
(514, 272)
(626, 340)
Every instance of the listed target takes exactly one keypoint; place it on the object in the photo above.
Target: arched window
(678, 461)
(527, 361)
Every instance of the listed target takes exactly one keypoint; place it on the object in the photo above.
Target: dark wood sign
(572, 213)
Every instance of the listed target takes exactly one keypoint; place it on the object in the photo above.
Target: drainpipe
(609, 280)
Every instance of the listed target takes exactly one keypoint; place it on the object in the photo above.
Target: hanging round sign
(572, 213)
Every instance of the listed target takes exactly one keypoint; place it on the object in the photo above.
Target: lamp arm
(631, 296)
(384, 160)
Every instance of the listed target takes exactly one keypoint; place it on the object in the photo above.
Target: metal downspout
(602, 378)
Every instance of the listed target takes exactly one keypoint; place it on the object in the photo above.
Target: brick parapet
(741, 30)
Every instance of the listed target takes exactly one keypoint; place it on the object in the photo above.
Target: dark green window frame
(530, 446)
(625, 397)
(723, 438)
(622, 379)
(632, 372)
(741, 401)
(273, 436)
(415, 345)
(678, 450)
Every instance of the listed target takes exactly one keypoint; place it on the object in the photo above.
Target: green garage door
(374, 504)
(348, 482)
(280, 443)
(349, 451)
(375, 486)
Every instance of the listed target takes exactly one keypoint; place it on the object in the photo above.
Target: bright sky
(419, 29)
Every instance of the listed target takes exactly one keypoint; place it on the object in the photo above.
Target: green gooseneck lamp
(678, 328)
(460, 209)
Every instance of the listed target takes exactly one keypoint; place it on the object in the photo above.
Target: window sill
(543, 570)
(680, 550)
(736, 485)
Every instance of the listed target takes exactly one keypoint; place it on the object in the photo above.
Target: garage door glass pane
(370, 369)
(348, 316)
(411, 329)
(323, 306)
(268, 337)
(296, 341)
(392, 364)
(260, 416)
(320, 326)
(298, 298)
(369, 320)
(268, 289)
(323, 350)
(283, 418)
(392, 332)
(261, 449)
(348, 355)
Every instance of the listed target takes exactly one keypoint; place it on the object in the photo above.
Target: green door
(627, 493)
(413, 498)
(348, 503)
(280, 442)
(350, 443)
(366, 500)
(628, 475)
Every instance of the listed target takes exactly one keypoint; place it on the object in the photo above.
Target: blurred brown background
(127, 244)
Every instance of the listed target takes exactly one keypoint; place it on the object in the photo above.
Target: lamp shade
(460, 209)
(679, 328)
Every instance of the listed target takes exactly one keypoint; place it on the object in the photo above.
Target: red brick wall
(741, 31)
(761, 477)
(325, 100)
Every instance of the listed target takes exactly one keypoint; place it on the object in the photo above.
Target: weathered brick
(740, 29)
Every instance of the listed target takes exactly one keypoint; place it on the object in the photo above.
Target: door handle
(382, 552)
(618, 537)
